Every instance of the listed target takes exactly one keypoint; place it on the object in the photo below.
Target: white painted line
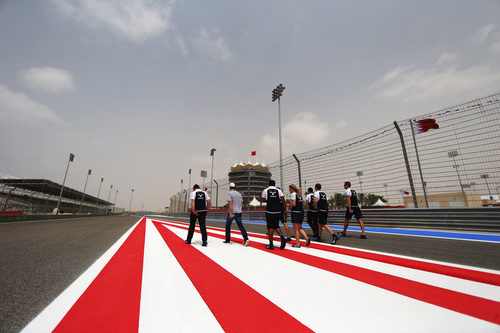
(328, 302)
(169, 301)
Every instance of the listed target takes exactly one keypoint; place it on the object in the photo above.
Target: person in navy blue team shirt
(312, 214)
(199, 207)
(297, 213)
(321, 204)
(283, 219)
(352, 209)
(275, 205)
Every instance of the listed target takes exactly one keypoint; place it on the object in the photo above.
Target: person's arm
(349, 203)
(315, 202)
(263, 196)
(208, 204)
(284, 205)
(230, 209)
(192, 207)
(293, 197)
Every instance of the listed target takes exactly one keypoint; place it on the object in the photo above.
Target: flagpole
(418, 162)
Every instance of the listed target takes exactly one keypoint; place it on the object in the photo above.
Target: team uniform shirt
(237, 200)
(299, 203)
(356, 211)
(354, 197)
(310, 201)
(273, 200)
(200, 200)
(322, 204)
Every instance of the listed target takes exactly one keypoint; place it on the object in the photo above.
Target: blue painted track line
(407, 232)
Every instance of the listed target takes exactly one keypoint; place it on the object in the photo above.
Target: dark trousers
(312, 220)
(237, 218)
(201, 221)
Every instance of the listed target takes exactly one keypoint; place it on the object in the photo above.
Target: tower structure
(250, 179)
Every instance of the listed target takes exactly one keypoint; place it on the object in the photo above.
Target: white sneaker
(247, 242)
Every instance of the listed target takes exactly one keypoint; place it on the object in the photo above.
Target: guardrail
(33, 217)
(482, 218)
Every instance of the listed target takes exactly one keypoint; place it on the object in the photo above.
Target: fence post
(410, 179)
(300, 176)
(418, 162)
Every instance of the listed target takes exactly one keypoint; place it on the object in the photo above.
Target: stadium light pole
(130, 204)
(84, 189)
(98, 192)
(359, 174)
(180, 197)
(114, 203)
(216, 195)
(71, 159)
(277, 92)
(452, 154)
(386, 195)
(109, 194)
(188, 191)
(185, 194)
(203, 174)
(212, 153)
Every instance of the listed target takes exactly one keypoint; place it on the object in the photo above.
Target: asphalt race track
(41, 259)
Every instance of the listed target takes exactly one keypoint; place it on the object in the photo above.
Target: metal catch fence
(459, 162)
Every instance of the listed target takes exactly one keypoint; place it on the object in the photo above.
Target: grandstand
(40, 196)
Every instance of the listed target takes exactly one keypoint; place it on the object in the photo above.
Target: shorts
(356, 211)
(273, 220)
(297, 216)
(322, 217)
(312, 217)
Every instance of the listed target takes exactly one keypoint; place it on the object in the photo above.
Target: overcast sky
(141, 90)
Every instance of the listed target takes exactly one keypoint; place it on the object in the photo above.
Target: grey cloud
(47, 79)
(212, 44)
(20, 108)
(135, 20)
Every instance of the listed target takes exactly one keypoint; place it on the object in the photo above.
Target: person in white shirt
(235, 213)
(200, 202)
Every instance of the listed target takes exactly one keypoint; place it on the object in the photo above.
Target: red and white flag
(423, 125)
(254, 153)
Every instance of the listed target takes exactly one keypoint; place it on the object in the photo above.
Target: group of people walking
(276, 212)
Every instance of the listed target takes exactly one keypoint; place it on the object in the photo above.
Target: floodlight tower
(277, 92)
(71, 159)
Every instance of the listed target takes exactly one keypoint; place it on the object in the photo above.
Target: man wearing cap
(200, 202)
(235, 204)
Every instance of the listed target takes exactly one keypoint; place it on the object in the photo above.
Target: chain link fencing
(459, 163)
